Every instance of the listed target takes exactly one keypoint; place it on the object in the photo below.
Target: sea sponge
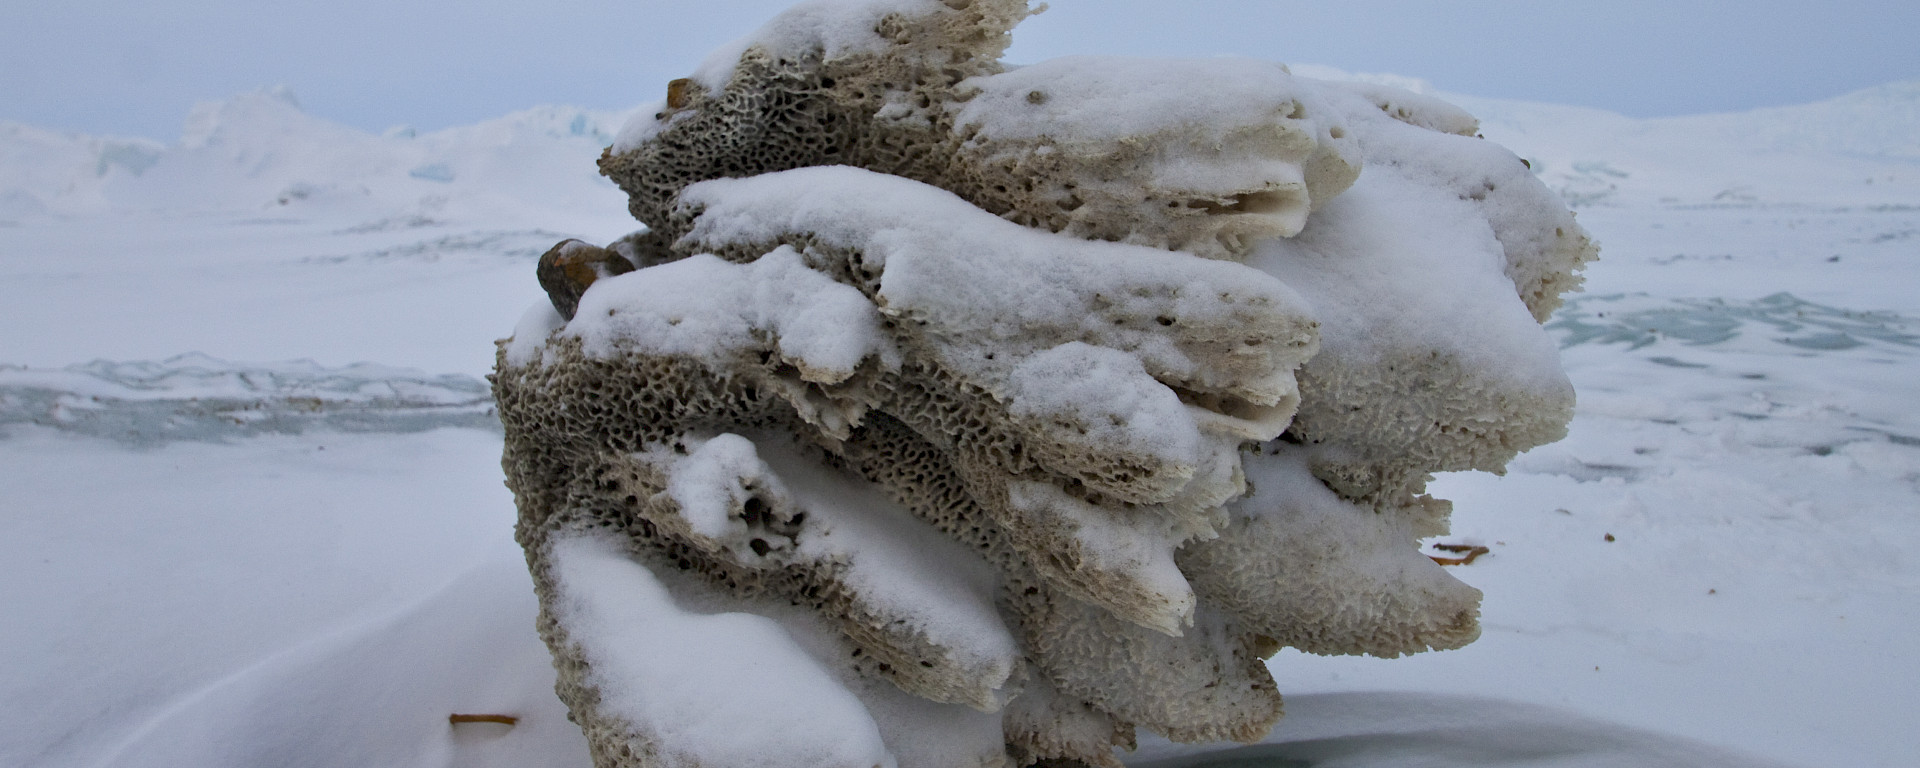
(1005, 411)
(1155, 152)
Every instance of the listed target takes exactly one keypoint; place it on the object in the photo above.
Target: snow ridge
(194, 397)
(259, 150)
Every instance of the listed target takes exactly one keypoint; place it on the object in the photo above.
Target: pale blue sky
(134, 67)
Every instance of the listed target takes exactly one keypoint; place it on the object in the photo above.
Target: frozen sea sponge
(1126, 150)
(1013, 410)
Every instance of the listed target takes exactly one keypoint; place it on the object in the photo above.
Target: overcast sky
(134, 67)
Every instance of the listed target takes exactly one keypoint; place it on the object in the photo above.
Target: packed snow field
(254, 511)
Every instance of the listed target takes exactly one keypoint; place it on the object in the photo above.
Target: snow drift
(953, 414)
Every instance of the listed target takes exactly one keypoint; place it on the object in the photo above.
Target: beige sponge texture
(990, 414)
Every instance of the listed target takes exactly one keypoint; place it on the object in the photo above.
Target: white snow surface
(1746, 357)
(1402, 264)
(907, 568)
(706, 484)
(711, 688)
(1102, 99)
(713, 310)
(1108, 394)
(884, 725)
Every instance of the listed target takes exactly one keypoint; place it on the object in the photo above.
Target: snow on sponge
(1003, 412)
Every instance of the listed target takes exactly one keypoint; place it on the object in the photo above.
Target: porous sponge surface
(1016, 408)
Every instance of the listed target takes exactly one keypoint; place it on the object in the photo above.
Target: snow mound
(1853, 151)
(1878, 123)
(42, 172)
(260, 151)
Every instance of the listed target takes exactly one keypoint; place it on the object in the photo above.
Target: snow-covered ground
(253, 511)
